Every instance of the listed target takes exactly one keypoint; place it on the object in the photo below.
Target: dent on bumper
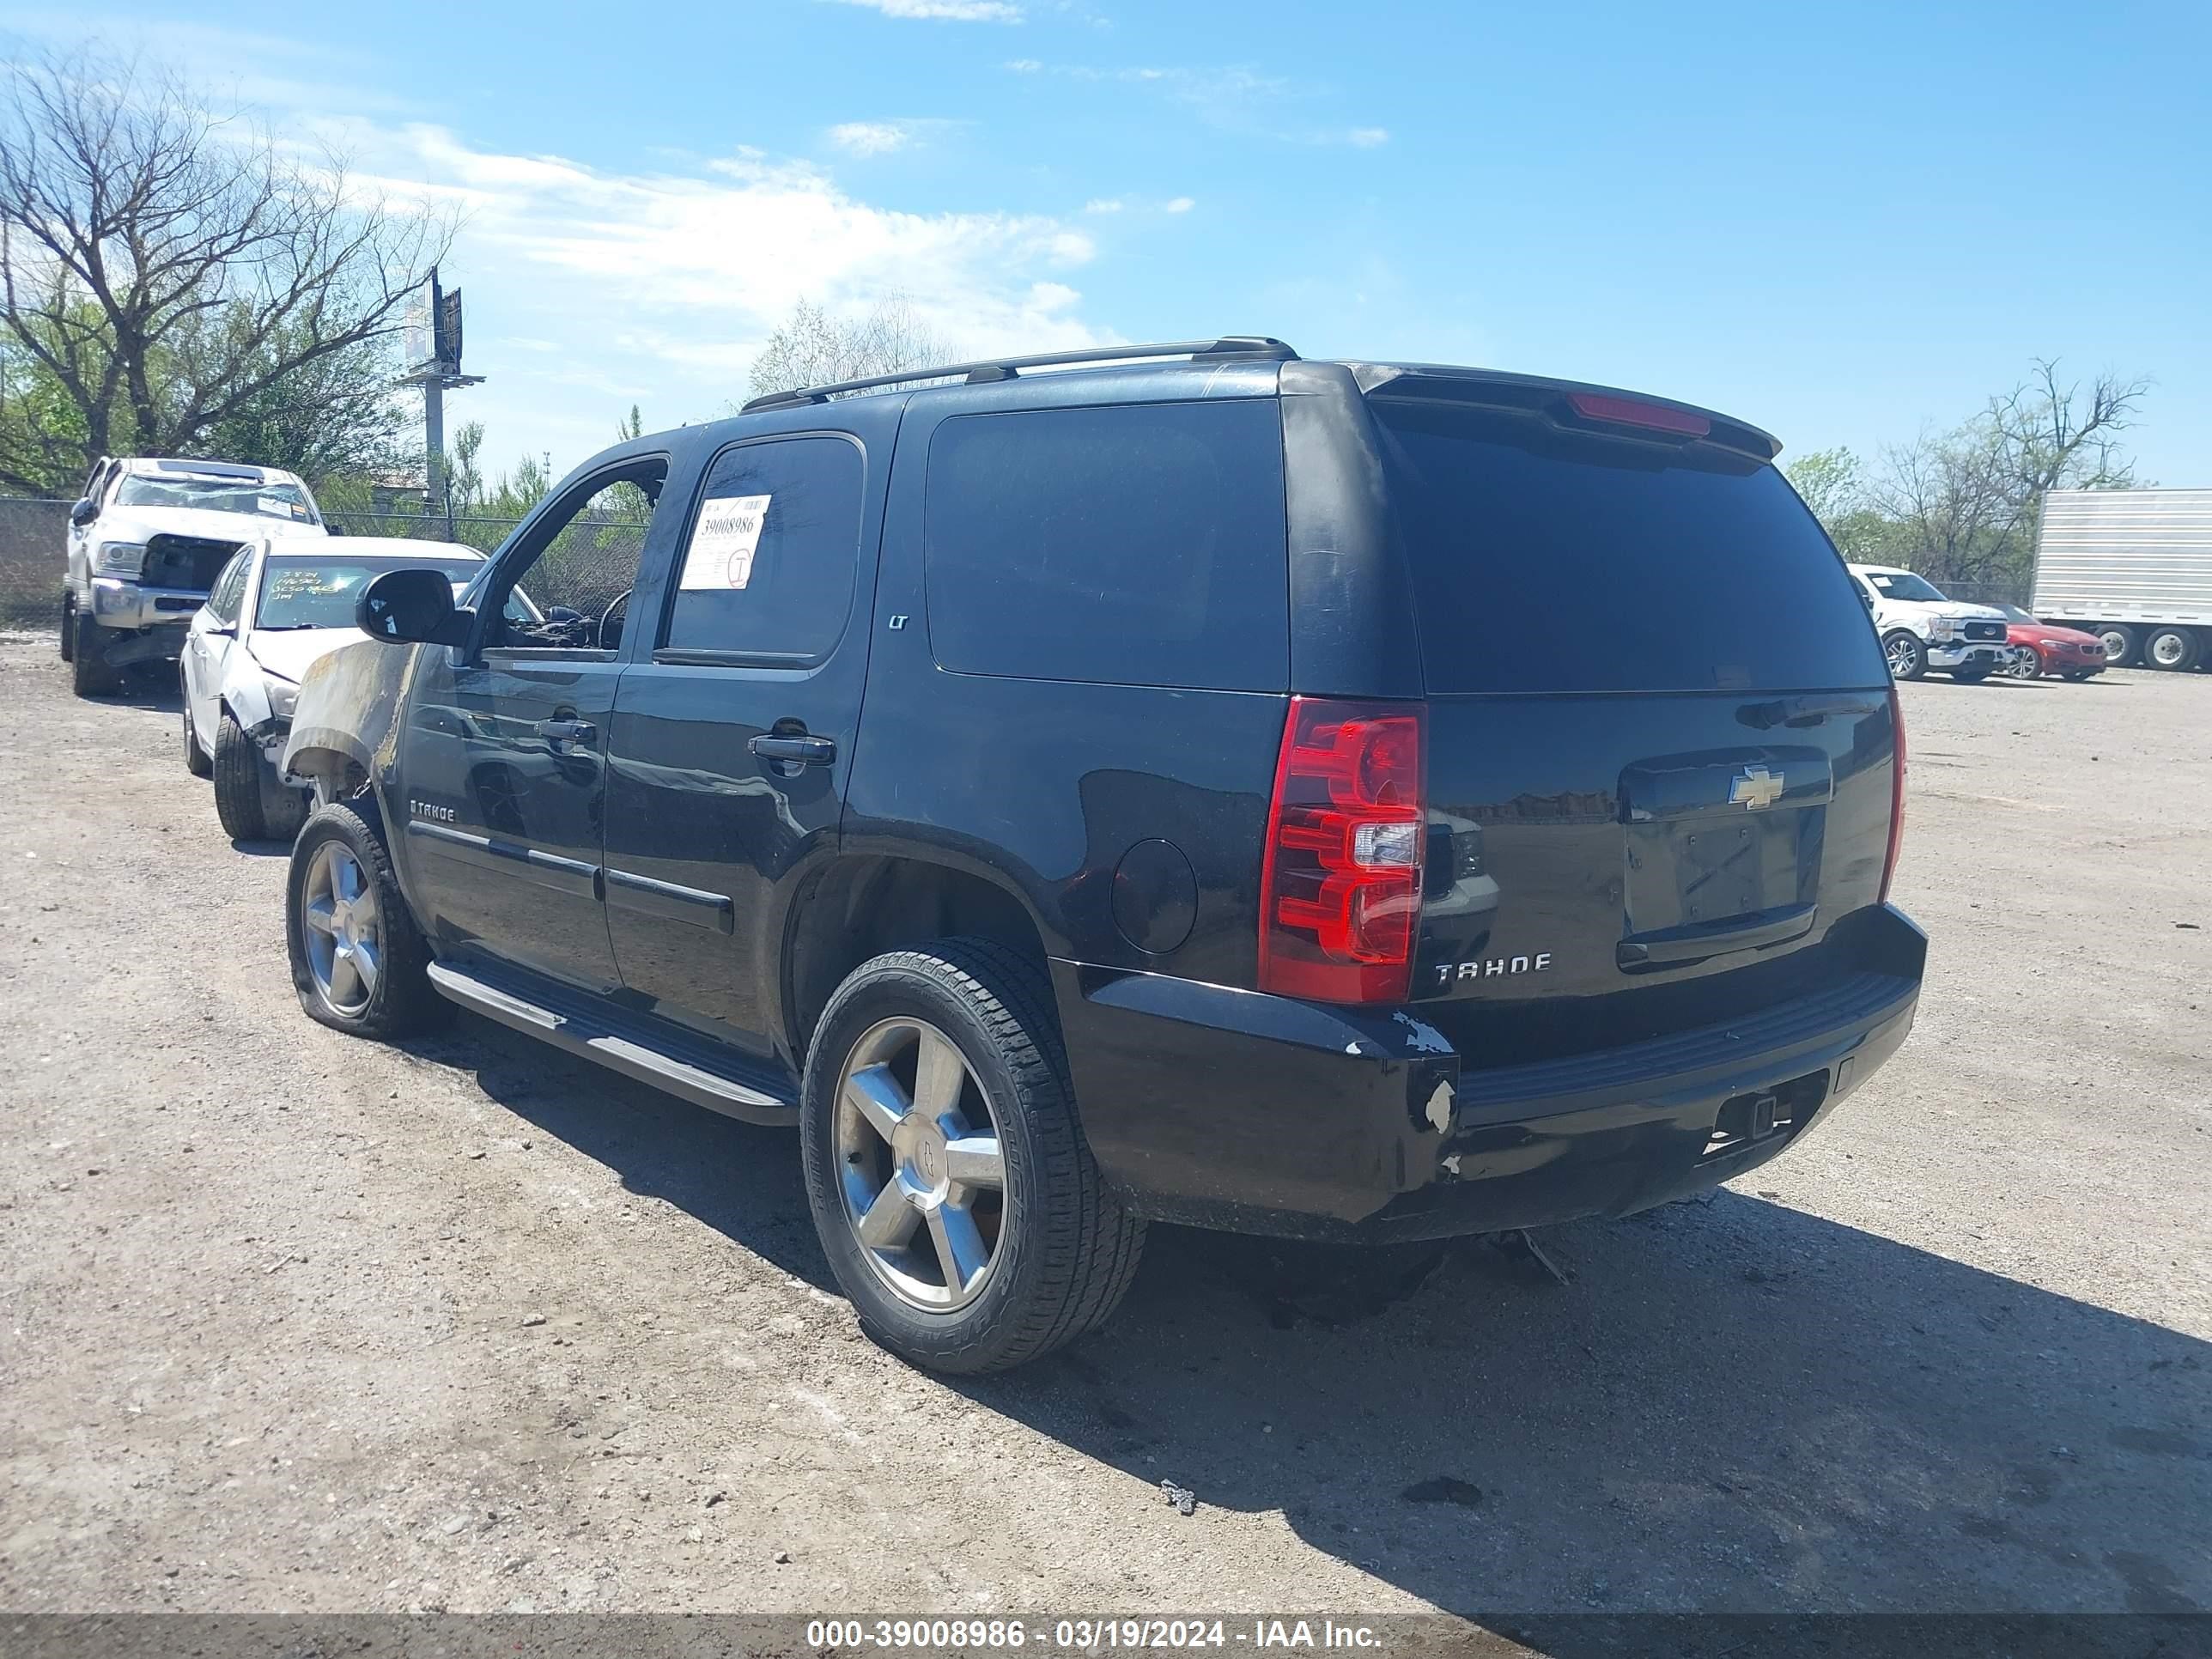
(1230, 1109)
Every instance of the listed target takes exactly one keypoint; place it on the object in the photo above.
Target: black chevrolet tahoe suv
(1355, 801)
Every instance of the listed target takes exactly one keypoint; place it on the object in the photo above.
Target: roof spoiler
(1571, 403)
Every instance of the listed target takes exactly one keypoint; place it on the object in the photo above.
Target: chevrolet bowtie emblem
(1754, 789)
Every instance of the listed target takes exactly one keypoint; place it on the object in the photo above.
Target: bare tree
(816, 349)
(1964, 505)
(164, 268)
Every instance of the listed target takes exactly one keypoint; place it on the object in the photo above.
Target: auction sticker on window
(723, 542)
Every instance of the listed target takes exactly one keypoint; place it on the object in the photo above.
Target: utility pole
(432, 341)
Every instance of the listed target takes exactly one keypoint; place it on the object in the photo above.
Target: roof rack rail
(1229, 346)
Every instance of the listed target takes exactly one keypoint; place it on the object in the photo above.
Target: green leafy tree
(1831, 484)
(170, 273)
(331, 417)
(1964, 505)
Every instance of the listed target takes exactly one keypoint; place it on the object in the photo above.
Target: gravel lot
(295, 1322)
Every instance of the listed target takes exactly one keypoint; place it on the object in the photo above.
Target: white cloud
(1367, 137)
(661, 287)
(865, 138)
(943, 11)
(1024, 65)
(1103, 204)
(1179, 205)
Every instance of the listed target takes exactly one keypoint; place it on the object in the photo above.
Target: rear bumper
(1229, 1109)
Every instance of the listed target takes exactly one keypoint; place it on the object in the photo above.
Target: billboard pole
(438, 496)
(433, 340)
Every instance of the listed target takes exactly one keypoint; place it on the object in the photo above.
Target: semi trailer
(2133, 567)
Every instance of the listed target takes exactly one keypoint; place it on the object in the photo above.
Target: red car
(2066, 652)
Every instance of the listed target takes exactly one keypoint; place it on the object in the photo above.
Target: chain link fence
(484, 534)
(33, 542)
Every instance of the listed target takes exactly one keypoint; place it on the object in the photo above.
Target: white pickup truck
(145, 544)
(1921, 629)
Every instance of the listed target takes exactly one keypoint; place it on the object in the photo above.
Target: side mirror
(84, 512)
(1866, 599)
(411, 607)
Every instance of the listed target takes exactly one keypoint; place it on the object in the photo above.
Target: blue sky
(1841, 222)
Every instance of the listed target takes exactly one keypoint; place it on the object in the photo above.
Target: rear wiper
(1798, 711)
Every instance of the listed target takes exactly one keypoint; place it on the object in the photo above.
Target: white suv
(1922, 629)
(146, 543)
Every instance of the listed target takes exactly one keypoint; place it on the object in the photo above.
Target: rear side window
(770, 564)
(1546, 561)
(1139, 544)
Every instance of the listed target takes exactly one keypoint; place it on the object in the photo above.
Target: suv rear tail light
(1896, 795)
(1341, 888)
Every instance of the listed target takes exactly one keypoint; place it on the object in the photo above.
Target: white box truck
(2133, 567)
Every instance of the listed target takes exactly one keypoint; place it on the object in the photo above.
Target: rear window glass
(1139, 544)
(1546, 561)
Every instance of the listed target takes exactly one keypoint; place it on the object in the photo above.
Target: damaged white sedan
(277, 608)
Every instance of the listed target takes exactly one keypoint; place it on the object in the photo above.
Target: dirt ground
(297, 1322)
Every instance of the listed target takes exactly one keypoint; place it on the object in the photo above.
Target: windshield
(276, 500)
(305, 593)
(2013, 613)
(1903, 585)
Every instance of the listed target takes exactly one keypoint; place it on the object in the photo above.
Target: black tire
(90, 674)
(2123, 644)
(238, 766)
(2173, 650)
(1907, 657)
(403, 1002)
(69, 628)
(1972, 676)
(1066, 1249)
(196, 758)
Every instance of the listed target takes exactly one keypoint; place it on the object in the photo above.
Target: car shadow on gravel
(154, 690)
(1727, 1404)
(742, 1180)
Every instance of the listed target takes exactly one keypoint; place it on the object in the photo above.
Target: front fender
(245, 692)
(345, 723)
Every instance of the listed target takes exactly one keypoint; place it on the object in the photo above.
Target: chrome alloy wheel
(1900, 652)
(2027, 663)
(345, 941)
(920, 1165)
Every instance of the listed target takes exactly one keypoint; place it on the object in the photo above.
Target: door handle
(804, 750)
(566, 731)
